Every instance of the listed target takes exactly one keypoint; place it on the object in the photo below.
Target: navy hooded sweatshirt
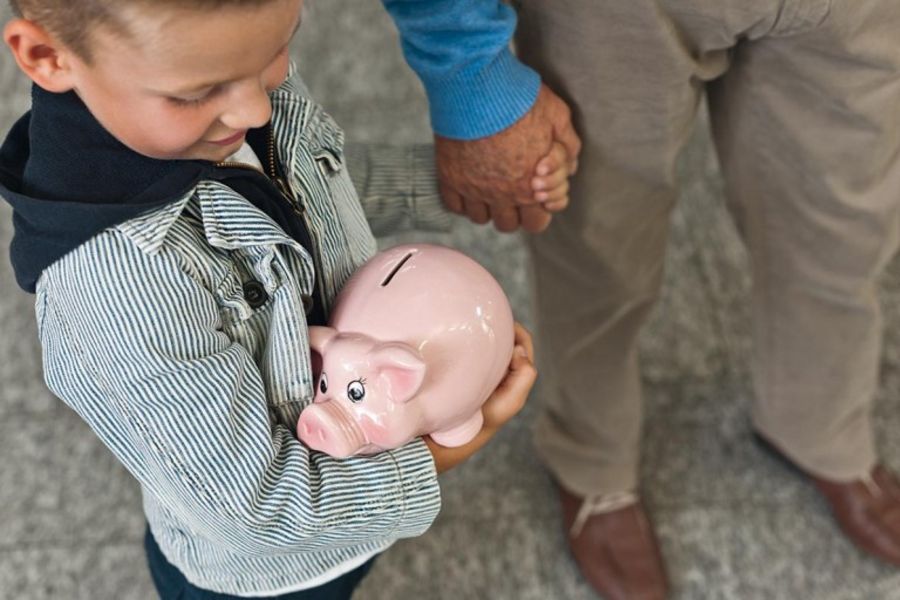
(67, 179)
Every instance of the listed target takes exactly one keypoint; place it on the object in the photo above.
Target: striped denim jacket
(195, 386)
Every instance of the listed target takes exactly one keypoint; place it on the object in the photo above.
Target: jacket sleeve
(460, 51)
(135, 346)
(397, 187)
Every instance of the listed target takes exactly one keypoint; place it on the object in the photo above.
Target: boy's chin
(215, 155)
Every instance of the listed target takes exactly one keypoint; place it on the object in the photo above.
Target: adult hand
(491, 178)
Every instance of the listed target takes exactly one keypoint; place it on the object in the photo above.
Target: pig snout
(330, 428)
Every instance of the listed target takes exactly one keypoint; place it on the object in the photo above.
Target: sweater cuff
(480, 101)
(419, 486)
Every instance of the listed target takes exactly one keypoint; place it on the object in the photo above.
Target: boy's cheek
(281, 74)
(169, 136)
(164, 143)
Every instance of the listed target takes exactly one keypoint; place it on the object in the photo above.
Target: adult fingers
(477, 210)
(534, 218)
(560, 116)
(506, 218)
(451, 198)
(565, 134)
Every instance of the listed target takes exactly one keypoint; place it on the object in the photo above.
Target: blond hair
(72, 21)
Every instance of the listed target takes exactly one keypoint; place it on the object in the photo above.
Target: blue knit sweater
(460, 50)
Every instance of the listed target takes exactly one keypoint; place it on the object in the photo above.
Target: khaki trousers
(804, 97)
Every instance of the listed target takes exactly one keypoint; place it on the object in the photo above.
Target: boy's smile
(187, 84)
(231, 140)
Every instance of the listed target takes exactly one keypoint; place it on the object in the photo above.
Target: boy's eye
(194, 100)
(189, 101)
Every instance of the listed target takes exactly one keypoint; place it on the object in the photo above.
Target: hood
(68, 179)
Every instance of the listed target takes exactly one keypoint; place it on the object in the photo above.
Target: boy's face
(187, 84)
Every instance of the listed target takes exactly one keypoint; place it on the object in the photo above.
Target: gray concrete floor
(733, 522)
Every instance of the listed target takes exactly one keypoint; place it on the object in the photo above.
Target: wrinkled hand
(490, 179)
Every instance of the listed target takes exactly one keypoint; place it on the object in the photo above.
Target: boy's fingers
(510, 396)
(556, 199)
(557, 205)
(558, 152)
(553, 162)
(522, 338)
(546, 165)
(521, 365)
(553, 181)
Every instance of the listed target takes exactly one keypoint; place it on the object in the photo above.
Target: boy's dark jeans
(172, 585)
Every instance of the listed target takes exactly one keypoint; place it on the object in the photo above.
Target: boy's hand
(502, 405)
(551, 181)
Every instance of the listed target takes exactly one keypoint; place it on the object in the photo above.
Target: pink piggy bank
(420, 336)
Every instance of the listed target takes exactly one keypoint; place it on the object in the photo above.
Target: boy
(178, 205)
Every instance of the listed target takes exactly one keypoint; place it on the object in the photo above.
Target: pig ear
(319, 338)
(403, 368)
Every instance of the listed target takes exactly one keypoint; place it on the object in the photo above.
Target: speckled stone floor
(733, 522)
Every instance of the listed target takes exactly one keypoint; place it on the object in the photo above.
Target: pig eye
(323, 383)
(356, 390)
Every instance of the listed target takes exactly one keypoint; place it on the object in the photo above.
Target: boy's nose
(250, 107)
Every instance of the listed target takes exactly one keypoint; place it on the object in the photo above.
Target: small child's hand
(551, 181)
(510, 396)
(502, 405)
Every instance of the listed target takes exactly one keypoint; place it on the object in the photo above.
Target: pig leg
(459, 434)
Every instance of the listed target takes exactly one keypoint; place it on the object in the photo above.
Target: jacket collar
(229, 221)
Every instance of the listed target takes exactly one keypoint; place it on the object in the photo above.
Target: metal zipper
(298, 207)
(280, 183)
(285, 190)
(237, 165)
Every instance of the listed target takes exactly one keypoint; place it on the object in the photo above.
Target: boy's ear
(40, 55)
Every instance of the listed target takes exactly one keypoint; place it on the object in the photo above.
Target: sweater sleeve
(460, 51)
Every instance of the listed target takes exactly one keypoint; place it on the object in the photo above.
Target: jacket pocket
(240, 298)
(326, 143)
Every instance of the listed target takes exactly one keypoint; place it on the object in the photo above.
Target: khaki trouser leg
(633, 73)
(808, 130)
(630, 81)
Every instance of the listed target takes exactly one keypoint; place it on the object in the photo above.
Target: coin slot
(390, 276)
